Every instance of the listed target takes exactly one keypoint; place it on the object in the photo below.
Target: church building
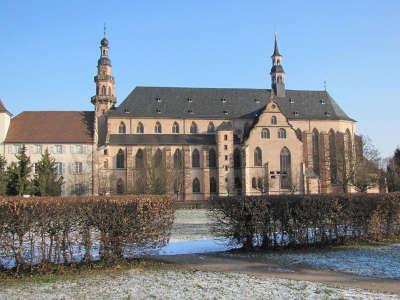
(192, 142)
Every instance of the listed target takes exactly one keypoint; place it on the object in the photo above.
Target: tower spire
(104, 30)
(277, 73)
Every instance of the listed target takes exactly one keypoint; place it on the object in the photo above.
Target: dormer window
(158, 99)
(126, 110)
(291, 100)
(158, 110)
(225, 112)
(223, 100)
(257, 101)
(322, 101)
(190, 111)
(189, 99)
(328, 114)
(296, 113)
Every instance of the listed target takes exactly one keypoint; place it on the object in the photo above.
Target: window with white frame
(77, 167)
(14, 149)
(59, 168)
(58, 149)
(37, 149)
(79, 149)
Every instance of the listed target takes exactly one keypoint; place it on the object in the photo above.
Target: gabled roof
(3, 108)
(51, 127)
(225, 103)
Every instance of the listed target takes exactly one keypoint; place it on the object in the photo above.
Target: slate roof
(51, 127)
(225, 126)
(225, 103)
(162, 139)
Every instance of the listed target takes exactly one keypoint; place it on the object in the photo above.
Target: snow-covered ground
(178, 284)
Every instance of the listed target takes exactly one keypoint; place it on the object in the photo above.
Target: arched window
(140, 128)
(257, 157)
(139, 159)
(273, 120)
(265, 133)
(285, 160)
(238, 183)
(157, 159)
(157, 128)
(109, 91)
(104, 90)
(332, 156)
(195, 159)
(120, 159)
(349, 146)
(213, 185)
(254, 183)
(122, 128)
(193, 128)
(212, 158)
(120, 186)
(175, 128)
(196, 185)
(299, 134)
(281, 133)
(178, 162)
(237, 158)
(315, 151)
(211, 127)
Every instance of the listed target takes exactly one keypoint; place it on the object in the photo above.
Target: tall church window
(140, 128)
(175, 128)
(193, 128)
(349, 146)
(157, 159)
(178, 161)
(109, 91)
(281, 133)
(139, 159)
(211, 127)
(196, 185)
(257, 157)
(254, 183)
(157, 128)
(265, 133)
(273, 120)
(212, 158)
(332, 156)
(195, 159)
(122, 128)
(120, 159)
(120, 186)
(213, 185)
(104, 90)
(285, 162)
(315, 151)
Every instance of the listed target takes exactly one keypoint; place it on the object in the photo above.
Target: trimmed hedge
(60, 230)
(306, 220)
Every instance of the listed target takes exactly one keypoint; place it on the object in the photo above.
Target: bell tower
(277, 73)
(105, 84)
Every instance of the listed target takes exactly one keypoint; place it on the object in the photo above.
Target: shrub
(306, 220)
(61, 230)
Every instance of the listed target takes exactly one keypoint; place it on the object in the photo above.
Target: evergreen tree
(18, 175)
(47, 182)
(393, 172)
(12, 179)
(3, 179)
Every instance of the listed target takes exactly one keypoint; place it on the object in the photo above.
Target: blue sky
(49, 51)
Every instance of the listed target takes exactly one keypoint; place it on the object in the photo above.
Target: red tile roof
(51, 127)
(3, 108)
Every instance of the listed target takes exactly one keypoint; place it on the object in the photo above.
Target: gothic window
(257, 157)
(175, 128)
(315, 151)
(196, 186)
(104, 90)
(139, 159)
(332, 156)
(285, 162)
(178, 162)
(211, 127)
(120, 186)
(157, 159)
(212, 158)
(265, 133)
(195, 159)
(273, 120)
(120, 159)
(140, 128)
(122, 128)
(157, 128)
(254, 183)
(193, 128)
(237, 158)
(281, 133)
(298, 134)
(213, 185)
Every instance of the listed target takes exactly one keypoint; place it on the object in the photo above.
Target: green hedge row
(305, 220)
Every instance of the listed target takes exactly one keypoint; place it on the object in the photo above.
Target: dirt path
(279, 269)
